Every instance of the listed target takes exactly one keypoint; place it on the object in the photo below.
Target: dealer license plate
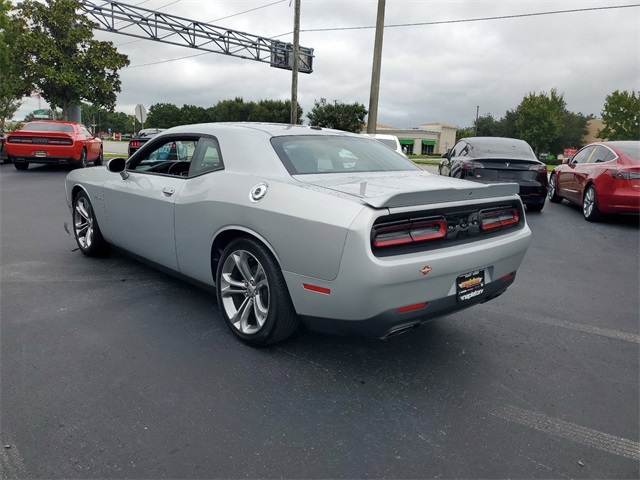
(40, 153)
(470, 285)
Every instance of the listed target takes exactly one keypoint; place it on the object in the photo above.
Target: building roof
(438, 124)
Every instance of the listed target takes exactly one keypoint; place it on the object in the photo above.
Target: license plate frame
(40, 153)
(470, 285)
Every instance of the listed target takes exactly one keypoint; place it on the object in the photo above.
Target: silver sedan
(297, 224)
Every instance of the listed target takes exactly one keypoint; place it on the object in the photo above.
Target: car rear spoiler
(478, 191)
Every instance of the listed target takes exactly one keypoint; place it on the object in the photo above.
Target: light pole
(477, 112)
(375, 71)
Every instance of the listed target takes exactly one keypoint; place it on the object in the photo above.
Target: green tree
(465, 132)
(341, 116)
(12, 84)
(163, 115)
(507, 125)
(486, 126)
(540, 119)
(276, 111)
(61, 58)
(193, 114)
(621, 116)
(236, 110)
(574, 128)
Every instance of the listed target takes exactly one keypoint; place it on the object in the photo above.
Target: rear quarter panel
(305, 229)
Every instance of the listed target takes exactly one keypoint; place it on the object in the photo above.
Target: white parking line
(603, 332)
(576, 433)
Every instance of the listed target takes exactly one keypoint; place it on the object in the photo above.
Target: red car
(53, 142)
(603, 177)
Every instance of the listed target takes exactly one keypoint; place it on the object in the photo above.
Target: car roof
(269, 129)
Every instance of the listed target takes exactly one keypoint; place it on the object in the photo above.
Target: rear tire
(552, 195)
(590, 205)
(85, 228)
(21, 165)
(98, 161)
(535, 208)
(252, 295)
(82, 161)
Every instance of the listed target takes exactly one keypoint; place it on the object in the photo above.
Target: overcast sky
(430, 73)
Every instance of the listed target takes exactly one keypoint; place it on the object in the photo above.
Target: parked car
(498, 159)
(603, 177)
(143, 137)
(53, 142)
(390, 141)
(297, 224)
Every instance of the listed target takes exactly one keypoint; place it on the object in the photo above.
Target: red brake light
(539, 168)
(468, 165)
(409, 232)
(490, 219)
(134, 143)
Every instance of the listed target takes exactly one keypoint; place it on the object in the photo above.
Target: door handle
(168, 191)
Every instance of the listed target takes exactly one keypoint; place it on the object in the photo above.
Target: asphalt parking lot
(111, 369)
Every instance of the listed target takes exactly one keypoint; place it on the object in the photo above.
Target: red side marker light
(415, 306)
(507, 276)
(317, 289)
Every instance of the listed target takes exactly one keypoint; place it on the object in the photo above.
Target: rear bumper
(58, 155)
(392, 322)
(623, 200)
(46, 160)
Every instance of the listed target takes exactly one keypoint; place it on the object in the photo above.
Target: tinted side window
(601, 154)
(208, 157)
(458, 149)
(582, 155)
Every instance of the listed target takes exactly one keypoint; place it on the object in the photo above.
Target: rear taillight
(387, 235)
(539, 168)
(490, 219)
(134, 143)
(60, 141)
(625, 174)
(469, 165)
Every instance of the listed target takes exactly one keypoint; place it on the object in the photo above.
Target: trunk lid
(403, 189)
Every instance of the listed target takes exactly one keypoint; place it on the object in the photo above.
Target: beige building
(427, 139)
(593, 126)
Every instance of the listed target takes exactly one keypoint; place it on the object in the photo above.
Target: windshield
(48, 127)
(337, 154)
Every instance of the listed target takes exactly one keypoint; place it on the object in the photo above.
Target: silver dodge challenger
(297, 224)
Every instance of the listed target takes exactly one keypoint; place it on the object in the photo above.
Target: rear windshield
(337, 154)
(48, 127)
(630, 149)
(502, 148)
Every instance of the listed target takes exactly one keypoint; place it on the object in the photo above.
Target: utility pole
(296, 58)
(375, 72)
(477, 112)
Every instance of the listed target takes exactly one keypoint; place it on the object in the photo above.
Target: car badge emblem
(507, 164)
(258, 192)
(425, 270)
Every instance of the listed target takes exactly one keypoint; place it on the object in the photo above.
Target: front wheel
(590, 205)
(252, 295)
(552, 194)
(85, 228)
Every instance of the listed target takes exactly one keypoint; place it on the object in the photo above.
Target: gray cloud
(431, 73)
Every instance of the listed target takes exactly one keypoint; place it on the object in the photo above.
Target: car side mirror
(118, 165)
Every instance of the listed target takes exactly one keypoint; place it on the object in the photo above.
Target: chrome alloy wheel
(83, 222)
(245, 292)
(552, 187)
(589, 202)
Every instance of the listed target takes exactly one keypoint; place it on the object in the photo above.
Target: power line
(441, 22)
(464, 20)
